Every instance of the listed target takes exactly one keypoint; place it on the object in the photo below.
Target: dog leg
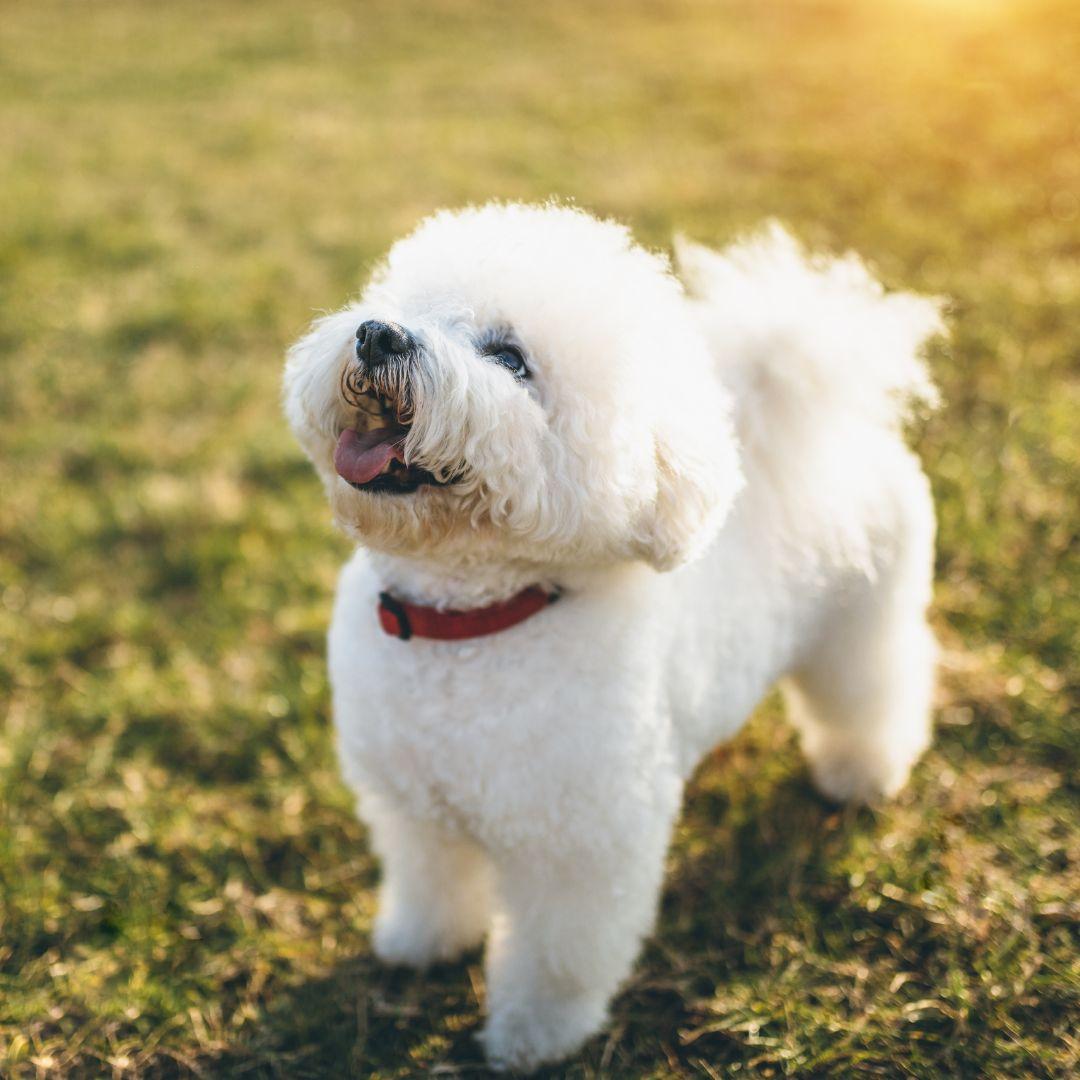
(435, 898)
(561, 943)
(862, 702)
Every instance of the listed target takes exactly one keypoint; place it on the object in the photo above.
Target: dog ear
(312, 384)
(697, 478)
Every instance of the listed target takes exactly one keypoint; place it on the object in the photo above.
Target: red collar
(403, 620)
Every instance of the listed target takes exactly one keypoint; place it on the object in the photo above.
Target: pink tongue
(360, 458)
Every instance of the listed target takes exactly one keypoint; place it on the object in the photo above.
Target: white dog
(713, 483)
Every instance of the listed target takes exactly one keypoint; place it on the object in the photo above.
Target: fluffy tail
(804, 342)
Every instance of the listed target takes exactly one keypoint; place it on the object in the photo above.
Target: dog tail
(805, 344)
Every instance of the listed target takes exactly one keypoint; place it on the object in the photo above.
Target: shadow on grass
(363, 1019)
(769, 856)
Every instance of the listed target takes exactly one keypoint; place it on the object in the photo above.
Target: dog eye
(511, 358)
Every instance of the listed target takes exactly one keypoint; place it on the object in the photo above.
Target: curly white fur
(716, 479)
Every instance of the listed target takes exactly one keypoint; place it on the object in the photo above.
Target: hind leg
(862, 699)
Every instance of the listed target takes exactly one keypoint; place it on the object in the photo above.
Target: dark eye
(511, 358)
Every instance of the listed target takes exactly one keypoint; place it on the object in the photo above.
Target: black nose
(377, 342)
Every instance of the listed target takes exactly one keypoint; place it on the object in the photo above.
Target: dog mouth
(370, 455)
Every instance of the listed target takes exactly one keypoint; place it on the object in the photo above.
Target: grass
(183, 887)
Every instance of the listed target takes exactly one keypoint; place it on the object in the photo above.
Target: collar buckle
(394, 617)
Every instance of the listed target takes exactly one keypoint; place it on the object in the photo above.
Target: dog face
(518, 382)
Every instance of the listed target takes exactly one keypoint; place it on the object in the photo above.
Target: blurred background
(183, 887)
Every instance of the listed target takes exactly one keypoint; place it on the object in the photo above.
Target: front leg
(435, 898)
(565, 935)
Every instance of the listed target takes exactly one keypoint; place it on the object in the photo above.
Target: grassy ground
(183, 887)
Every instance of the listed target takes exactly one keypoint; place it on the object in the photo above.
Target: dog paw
(858, 777)
(419, 942)
(528, 1034)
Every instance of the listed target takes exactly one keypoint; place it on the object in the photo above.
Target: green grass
(183, 887)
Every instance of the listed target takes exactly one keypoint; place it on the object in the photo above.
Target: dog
(601, 509)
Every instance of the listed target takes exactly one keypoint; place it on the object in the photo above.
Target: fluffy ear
(312, 372)
(697, 478)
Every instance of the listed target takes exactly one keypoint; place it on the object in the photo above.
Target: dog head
(521, 382)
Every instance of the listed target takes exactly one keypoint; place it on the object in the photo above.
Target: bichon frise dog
(710, 479)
